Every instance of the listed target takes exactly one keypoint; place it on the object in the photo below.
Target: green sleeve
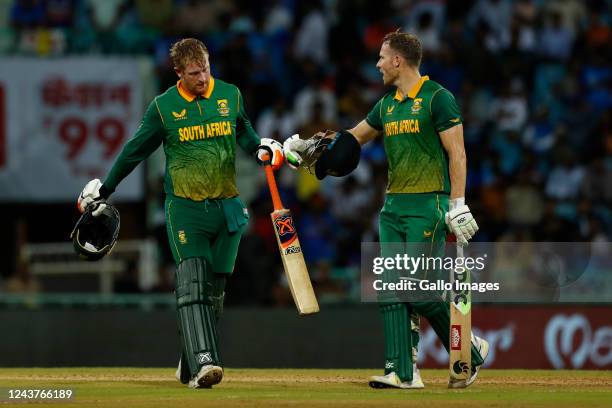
(245, 134)
(445, 112)
(147, 139)
(374, 118)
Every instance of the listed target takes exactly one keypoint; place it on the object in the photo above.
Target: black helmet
(340, 157)
(94, 237)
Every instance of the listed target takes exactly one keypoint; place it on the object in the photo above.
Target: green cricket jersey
(199, 134)
(411, 124)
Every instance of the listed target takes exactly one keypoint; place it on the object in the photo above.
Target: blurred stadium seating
(532, 77)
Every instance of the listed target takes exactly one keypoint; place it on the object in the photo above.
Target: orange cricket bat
(291, 252)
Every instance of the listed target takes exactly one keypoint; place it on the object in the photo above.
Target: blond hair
(186, 51)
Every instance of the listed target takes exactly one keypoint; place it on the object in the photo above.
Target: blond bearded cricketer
(199, 122)
(422, 129)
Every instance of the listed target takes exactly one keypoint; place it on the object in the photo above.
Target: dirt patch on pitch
(295, 379)
(545, 381)
(86, 377)
(236, 376)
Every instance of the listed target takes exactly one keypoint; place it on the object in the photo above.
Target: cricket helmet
(94, 237)
(340, 156)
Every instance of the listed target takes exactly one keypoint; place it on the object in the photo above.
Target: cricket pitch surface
(157, 387)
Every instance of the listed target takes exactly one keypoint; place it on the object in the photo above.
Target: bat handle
(276, 201)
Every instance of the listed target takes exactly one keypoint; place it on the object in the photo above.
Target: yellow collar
(413, 92)
(188, 96)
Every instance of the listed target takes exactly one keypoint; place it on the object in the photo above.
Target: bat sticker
(285, 229)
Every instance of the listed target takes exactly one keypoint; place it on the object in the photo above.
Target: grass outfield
(156, 387)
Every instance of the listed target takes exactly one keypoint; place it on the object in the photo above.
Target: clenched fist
(460, 221)
(271, 147)
(91, 197)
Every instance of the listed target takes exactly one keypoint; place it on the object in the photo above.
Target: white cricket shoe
(392, 380)
(177, 374)
(208, 376)
(483, 348)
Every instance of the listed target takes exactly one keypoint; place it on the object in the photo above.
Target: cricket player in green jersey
(423, 138)
(199, 122)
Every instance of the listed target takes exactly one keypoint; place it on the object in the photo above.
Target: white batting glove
(90, 196)
(278, 156)
(294, 147)
(460, 221)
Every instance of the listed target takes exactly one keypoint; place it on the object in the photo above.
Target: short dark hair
(407, 45)
(186, 51)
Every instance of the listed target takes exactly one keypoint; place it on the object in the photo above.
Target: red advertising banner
(65, 123)
(534, 337)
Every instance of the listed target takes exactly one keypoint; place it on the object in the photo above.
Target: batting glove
(91, 197)
(460, 221)
(266, 146)
(294, 148)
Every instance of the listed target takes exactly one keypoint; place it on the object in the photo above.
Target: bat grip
(459, 250)
(276, 201)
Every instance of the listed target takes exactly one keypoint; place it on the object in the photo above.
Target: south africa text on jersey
(199, 132)
(402, 126)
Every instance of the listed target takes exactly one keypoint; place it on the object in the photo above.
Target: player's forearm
(119, 171)
(147, 139)
(127, 160)
(136, 150)
(457, 168)
(363, 132)
(247, 138)
(452, 140)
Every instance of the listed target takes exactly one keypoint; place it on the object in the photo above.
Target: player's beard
(199, 88)
(388, 78)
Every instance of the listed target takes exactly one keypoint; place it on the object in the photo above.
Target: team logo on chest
(417, 104)
(223, 107)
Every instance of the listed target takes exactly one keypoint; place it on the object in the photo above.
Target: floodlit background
(533, 79)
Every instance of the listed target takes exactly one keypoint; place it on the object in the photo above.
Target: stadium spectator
(155, 14)
(277, 121)
(60, 13)
(565, 177)
(509, 109)
(278, 18)
(311, 36)
(556, 40)
(496, 15)
(315, 92)
(28, 14)
(573, 14)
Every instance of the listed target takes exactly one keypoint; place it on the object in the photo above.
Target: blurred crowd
(533, 79)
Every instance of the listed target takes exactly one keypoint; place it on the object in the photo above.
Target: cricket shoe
(392, 380)
(208, 376)
(182, 377)
(483, 348)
